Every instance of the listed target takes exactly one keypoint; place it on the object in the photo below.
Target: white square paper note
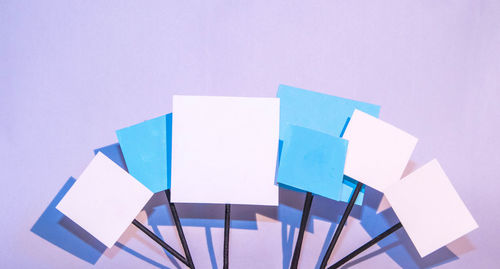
(104, 200)
(429, 208)
(224, 150)
(378, 152)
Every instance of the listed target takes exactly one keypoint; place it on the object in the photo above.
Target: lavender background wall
(72, 72)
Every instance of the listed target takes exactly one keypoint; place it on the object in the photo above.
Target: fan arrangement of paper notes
(240, 150)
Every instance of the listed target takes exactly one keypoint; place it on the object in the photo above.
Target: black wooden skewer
(227, 220)
(303, 223)
(366, 246)
(178, 225)
(160, 242)
(336, 235)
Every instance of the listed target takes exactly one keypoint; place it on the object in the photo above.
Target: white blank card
(378, 152)
(429, 208)
(104, 200)
(224, 150)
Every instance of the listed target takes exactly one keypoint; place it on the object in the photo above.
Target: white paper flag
(224, 150)
(104, 200)
(378, 152)
(429, 208)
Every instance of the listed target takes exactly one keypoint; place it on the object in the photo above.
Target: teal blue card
(313, 161)
(320, 112)
(147, 149)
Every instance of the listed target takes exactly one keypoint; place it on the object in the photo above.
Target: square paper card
(224, 150)
(313, 161)
(146, 148)
(429, 208)
(320, 112)
(104, 200)
(378, 152)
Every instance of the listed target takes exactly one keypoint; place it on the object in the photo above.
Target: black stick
(160, 242)
(227, 220)
(366, 246)
(336, 235)
(178, 225)
(303, 223)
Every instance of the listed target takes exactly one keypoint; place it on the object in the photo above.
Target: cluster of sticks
(336, 235)
(188, 260)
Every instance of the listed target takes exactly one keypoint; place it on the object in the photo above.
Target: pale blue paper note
(146, 148)
(320, 112)
(313, 161)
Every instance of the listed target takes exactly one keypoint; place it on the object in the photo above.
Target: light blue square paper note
(313, 161)
(146, 148)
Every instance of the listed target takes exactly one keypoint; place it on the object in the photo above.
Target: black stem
(366, 246)
(160, 242)
(227, 220)
(303, 223)
(180, 232)
(342, 222)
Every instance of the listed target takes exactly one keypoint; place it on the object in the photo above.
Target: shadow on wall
(59, 230)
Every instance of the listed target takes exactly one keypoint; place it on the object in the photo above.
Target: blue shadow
(59, 230)
(114, 153)
(290, 219)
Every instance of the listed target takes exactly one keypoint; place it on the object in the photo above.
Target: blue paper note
(313, 161)
(320, 112)
(146, 148)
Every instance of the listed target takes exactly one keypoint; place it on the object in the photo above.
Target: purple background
(71, 73)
